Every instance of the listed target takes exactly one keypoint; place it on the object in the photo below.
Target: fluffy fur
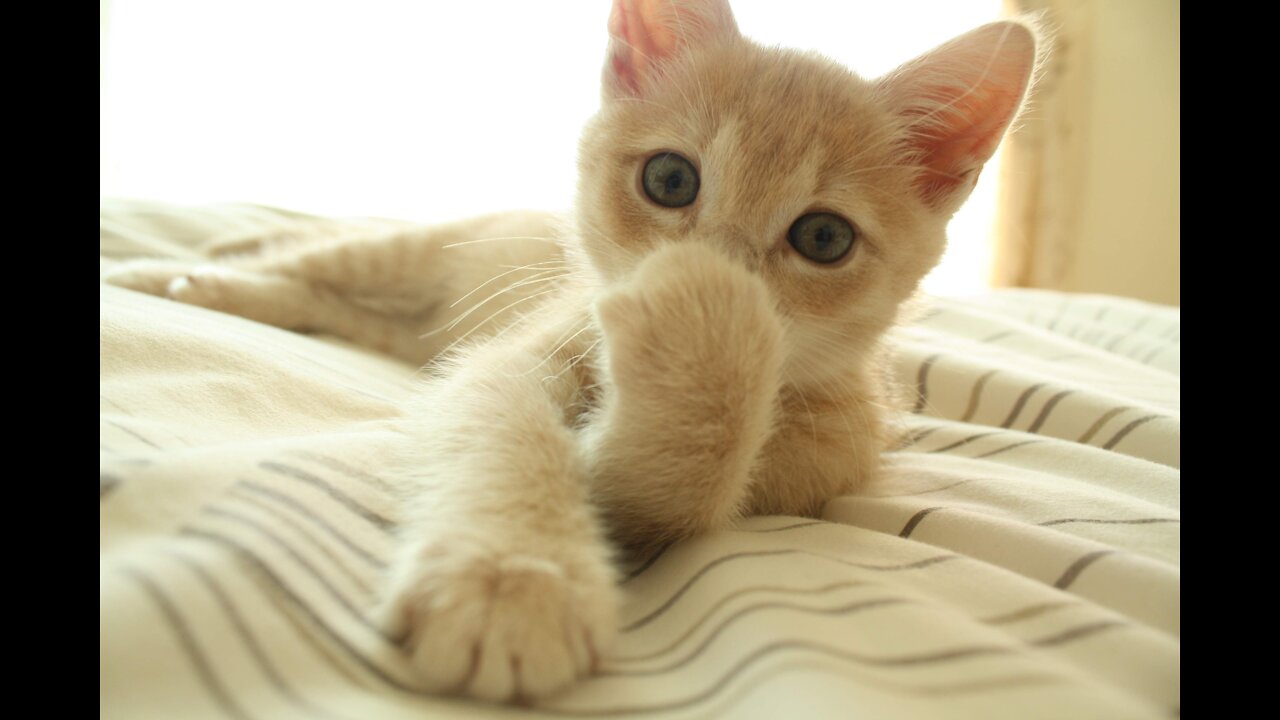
(646, 373)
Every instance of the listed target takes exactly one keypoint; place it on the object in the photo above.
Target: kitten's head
(835, 189)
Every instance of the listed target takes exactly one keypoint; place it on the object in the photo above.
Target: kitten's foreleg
(503, 588)
(694, 365)
(277, 300)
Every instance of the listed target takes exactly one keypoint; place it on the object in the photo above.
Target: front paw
(152, 277)
(690, 314)
(501, 626)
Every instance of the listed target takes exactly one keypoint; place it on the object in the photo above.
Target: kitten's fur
(668, 369)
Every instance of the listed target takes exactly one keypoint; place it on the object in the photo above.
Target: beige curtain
(1090, 186)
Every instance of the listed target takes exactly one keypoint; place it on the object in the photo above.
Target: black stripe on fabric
(702, 572)
(246, 636)
(932, 690)
(1099, 521)
(1021, 402)
(1062, 311)
(295, 600)
(846, 609)
(916, 437)
(925, 492)
(297, 558)
(975, 395)
(132, 433)
(726, 599)
(1146, 359)
(922, 383)
(351, 472)
(1128, 429)
(332, 655)
(1006, 448)
(1097, 424)
(318, 483)
(929, 314)
(915, 520)
(647, 563)
(1048, 408)
(323, 549)
(956, 654)
(1074, 569)
(107, 483)
(115, 405)
(1027, 613)
(794, 526)
(1076, 633)
(249, 486)
(966, 441)
(187, 639)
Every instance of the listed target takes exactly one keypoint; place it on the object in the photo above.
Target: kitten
(700, 342)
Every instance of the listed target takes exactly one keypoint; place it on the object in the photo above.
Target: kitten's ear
(644, 34)
(958, 100)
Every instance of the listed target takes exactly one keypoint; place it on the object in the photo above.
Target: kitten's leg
(503, 589)
(399, 282)
(284, 302)
(694, 357)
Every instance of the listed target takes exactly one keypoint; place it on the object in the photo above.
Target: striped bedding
(1019, 559)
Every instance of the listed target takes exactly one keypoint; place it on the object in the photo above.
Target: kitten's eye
(670, 180)
(822, 237)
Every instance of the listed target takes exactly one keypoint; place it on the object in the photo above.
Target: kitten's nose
(738, 245)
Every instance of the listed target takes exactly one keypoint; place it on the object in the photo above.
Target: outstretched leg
(384, 285)
(503, 589)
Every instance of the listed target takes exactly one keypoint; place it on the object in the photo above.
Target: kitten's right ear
(646, 34)
(959, 99)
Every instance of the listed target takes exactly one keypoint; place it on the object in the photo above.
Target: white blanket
(1020, 558)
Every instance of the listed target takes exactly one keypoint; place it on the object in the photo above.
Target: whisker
(482, 323)
(500, 275)
(495, 239)
(538, 277)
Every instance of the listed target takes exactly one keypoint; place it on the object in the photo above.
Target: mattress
(1019, 558)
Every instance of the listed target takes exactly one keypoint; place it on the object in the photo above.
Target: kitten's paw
(149, 276)
(501, 627)
(208, 286)
(691, 312)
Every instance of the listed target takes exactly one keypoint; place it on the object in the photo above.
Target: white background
(422, 109)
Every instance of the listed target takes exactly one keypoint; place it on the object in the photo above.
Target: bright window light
(426, 110)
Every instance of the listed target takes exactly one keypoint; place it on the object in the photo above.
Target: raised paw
(692, 314)
(500, 627)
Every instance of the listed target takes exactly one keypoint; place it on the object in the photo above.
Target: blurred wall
(1094, 179)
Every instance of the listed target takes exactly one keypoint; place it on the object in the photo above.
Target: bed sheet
(1020, 558)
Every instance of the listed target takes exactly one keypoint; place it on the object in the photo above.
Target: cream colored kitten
(698, 343)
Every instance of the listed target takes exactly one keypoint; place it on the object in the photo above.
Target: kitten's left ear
(645, 34)
(958, 100)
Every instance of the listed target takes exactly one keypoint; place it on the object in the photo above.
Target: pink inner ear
(647, 32)
(634, 42)
(971, 138)
(962, 97)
